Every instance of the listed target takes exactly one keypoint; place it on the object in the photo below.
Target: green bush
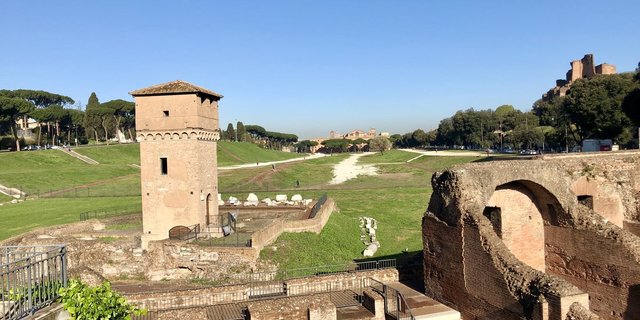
(94, 303)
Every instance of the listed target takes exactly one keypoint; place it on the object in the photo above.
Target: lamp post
(236, 131)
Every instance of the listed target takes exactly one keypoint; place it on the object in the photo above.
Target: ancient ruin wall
(468, 265)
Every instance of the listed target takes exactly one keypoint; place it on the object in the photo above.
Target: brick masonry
(510, 239)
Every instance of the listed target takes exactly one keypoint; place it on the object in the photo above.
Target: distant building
(583, 68)
(351, 135)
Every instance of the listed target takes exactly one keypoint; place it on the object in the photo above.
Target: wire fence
(111, 212)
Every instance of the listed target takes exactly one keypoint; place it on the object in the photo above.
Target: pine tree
(241, 131)
(93, 101)
(230, 134)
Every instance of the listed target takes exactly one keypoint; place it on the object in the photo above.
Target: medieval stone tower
(177, 127)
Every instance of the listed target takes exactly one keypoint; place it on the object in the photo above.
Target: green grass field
(388, 157)
(397, 197)
(5, 198)
(44, 171)
(31, 214)
(232, 153)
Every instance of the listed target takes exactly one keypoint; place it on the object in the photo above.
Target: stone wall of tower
(182, 129)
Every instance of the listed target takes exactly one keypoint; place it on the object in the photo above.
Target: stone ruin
(549, 238)
(583, 68)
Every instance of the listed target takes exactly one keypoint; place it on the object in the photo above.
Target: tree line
(258, 135)
(600, 107)
(58, 122)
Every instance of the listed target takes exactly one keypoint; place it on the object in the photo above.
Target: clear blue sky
(307, 67)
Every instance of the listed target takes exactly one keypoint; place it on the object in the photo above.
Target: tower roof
(173, 87)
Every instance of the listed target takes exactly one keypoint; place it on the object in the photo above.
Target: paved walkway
(78, 156)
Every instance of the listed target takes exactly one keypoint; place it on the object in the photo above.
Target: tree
(104, 116)
(594, 105)
(304, 145)
(11, 109)
(256, 132)
(336, 145)
(123, 115)
(230, 134)
(379, 144)
(240, 131)
(91, 119)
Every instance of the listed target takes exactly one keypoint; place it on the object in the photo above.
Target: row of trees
(57, 119)
(600, 107)
(258, 135)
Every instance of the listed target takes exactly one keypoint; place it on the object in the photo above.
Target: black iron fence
(212, 239)
(30, 277)
(395, 305)
(184, 233)
(317, 206)
(112, 212)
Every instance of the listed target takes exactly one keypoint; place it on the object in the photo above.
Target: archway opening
(519, 212)
(208, 210)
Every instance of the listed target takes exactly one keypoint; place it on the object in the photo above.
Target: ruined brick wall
(472, 266)
(271, 232)
(234, 293)
(606, 68)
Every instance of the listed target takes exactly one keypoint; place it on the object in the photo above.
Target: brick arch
(167, 136)
(184, 135)
(157, 136)
(193, 135)
(519, 211)
(601, 197)
(175, 136)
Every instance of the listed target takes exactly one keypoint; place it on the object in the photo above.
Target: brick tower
(177, 127)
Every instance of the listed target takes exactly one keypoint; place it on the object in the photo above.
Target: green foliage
(380, 144)
(336, 145)
(256, 131)
(100, 302)
(594, 105)
(230, 133)
(93, 101)
(305, 145)
(241, 131)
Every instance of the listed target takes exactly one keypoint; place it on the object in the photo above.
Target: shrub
(94, 303)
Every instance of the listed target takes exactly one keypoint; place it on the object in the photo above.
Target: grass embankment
(233, 153)
(36, 172)
(124, 154)
(25, 216)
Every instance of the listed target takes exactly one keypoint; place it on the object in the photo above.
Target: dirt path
(79, 156)
(447, 153)
(262, 164)
(350, 169)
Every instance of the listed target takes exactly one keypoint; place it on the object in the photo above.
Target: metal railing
(30, 277)
(184, 233)
(212, 239)
(317, 206)
(105, 213)
(395, 305)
